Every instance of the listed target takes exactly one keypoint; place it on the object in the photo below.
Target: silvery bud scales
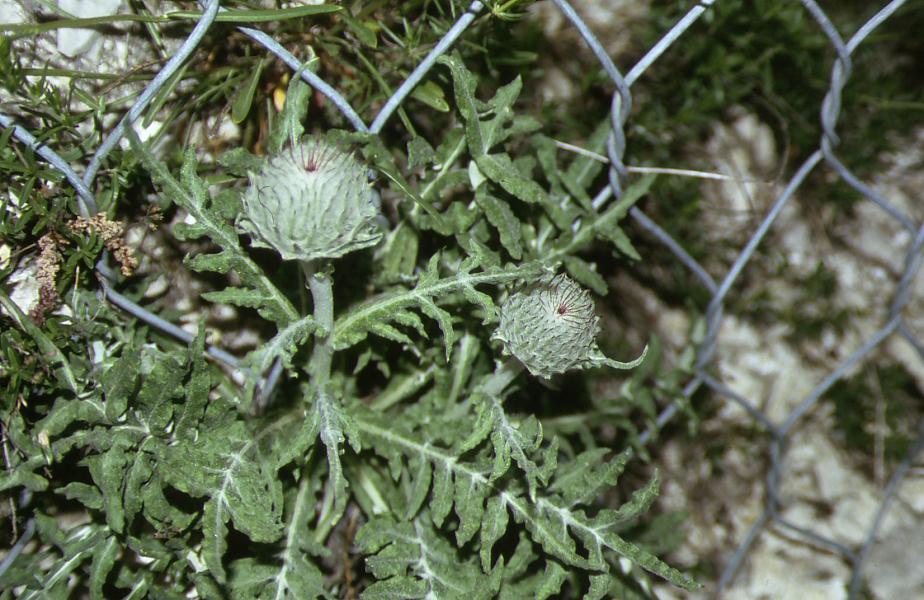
(550, 327)
(312, 201)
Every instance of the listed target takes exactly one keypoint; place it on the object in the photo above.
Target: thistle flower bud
(311, 201)
(550, 327)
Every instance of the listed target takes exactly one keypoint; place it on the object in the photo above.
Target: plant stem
(322, 294)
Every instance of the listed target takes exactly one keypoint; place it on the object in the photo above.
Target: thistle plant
(312, 203)
(406, 453)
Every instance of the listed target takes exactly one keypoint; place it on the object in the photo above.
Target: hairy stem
(322, 294)
(328, 515)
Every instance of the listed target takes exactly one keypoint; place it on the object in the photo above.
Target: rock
(76, 42)
(894, 566)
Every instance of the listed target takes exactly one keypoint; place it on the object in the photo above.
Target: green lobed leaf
(420, 153)
(556, 527)
(599, 587)
(362, 32)
(449, 482)
(191, 193)
(189, 415)
(478, 250)
(518, 441)
(586, 274)
(482, 427)
(468, 497)
(373, 316)
(501, 170)
(517, 582)
(87, 495)
(442, 492)
(158, 511)
(104, 557)
(486, 125)
(585, 477)
(432, 95)
(24, 476)
(604, 225)
(252, 580)
(562, 187)
(502, 218)
(637, 505)
(241, 484)
(283, 345)
(584, 169)
(108, 472)
(335, 426)
(120, 383)
(552, 579)
(493, 526)
(247, 297)
(462, 367)
(484, 120)
(414, 560)
(549, 532)
(398, 255)
(420, 472)
(240, 162)
(215, 538)
(403, 386)
(597, 536)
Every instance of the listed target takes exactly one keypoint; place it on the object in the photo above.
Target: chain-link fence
(780, 432)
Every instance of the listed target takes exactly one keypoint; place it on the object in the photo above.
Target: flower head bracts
(550, 327)
(310, 202)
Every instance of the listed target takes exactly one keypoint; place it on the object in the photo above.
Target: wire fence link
(779, 432)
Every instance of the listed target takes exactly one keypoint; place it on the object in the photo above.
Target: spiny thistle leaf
(191, 194)
(449, 481)
(556, 525)
(375, 315)
(295, 576)
(335, 426)
(241, 485)
(250, 579)
(597, 537)
(502, 218)
(519, 441)
(413, 560)
(483, 133)
(586, 475)
(283, 345)
(604, 225)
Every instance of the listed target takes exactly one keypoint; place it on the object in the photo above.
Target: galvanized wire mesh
(779, 433)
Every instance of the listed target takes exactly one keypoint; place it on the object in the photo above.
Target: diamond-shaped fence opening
(777, 425)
